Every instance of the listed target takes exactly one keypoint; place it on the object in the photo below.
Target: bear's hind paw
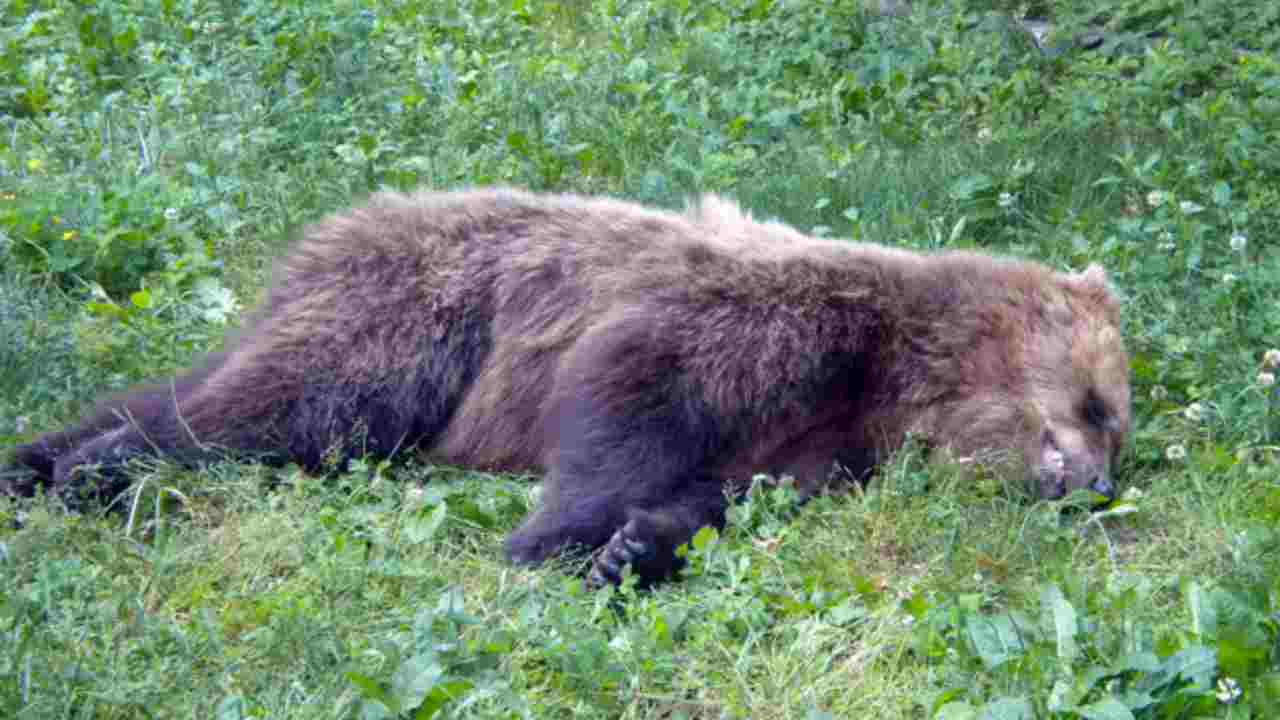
(623, 549)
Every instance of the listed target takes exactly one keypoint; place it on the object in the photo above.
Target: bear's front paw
(623, 549)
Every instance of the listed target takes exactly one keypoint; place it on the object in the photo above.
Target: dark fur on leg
(630, 439)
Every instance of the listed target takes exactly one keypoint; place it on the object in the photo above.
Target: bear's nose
(1103, 486)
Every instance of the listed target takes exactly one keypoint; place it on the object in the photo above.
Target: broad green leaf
(1008, 709)
(415, 679)
(370, 689)
(1196, 664)
(231, 708)
(1063, 618)
(704, 538)
(1222, 193)
(967, 188)
(422, 528)
(440, 696)
(1061, 697)
(1106, 709)
(1145, 662)
(107, 309)
(996, 638)
(958, 710)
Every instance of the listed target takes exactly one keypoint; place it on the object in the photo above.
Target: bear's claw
(623, 549)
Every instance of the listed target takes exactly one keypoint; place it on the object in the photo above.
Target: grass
(155, 156)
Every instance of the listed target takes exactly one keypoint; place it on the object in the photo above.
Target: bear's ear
(717, 212)
(1094, 276)
(1093, 283)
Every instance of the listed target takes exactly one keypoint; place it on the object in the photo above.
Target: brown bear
(649, 361)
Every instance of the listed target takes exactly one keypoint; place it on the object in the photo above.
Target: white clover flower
(1156, 198)
(1194, 412)
(1006, 199)
(1228, 691)
(1175, 453)
(171, 214)
(1228, 278)
(1159, 392)
(1239, 242)
(1266, 379)
(1189, 208)
(984, 134)
(1272, 358)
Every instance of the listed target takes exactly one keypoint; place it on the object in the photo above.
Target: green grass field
(155, 155)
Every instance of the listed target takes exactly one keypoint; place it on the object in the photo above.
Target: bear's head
(1077, 382)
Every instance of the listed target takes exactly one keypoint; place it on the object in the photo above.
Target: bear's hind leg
(40, 458)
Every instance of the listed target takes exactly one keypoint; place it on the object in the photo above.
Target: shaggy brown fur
(647, 360)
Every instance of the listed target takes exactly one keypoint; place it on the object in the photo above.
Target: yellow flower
(69, 235)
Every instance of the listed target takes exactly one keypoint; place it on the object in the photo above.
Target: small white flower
(171, 214)
(20, 424)
(1239, 242)
(1194, 412)
(1156, 198)
(1266, 379)
(1271, 359)
(1228, 691)
(1189, 208)
(1006, 199)
(1134, 494)
(1175, 453)
(1228, 278)
(984, 135)
(1159, 392)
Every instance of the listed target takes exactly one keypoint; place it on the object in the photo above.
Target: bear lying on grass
(648, 361)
